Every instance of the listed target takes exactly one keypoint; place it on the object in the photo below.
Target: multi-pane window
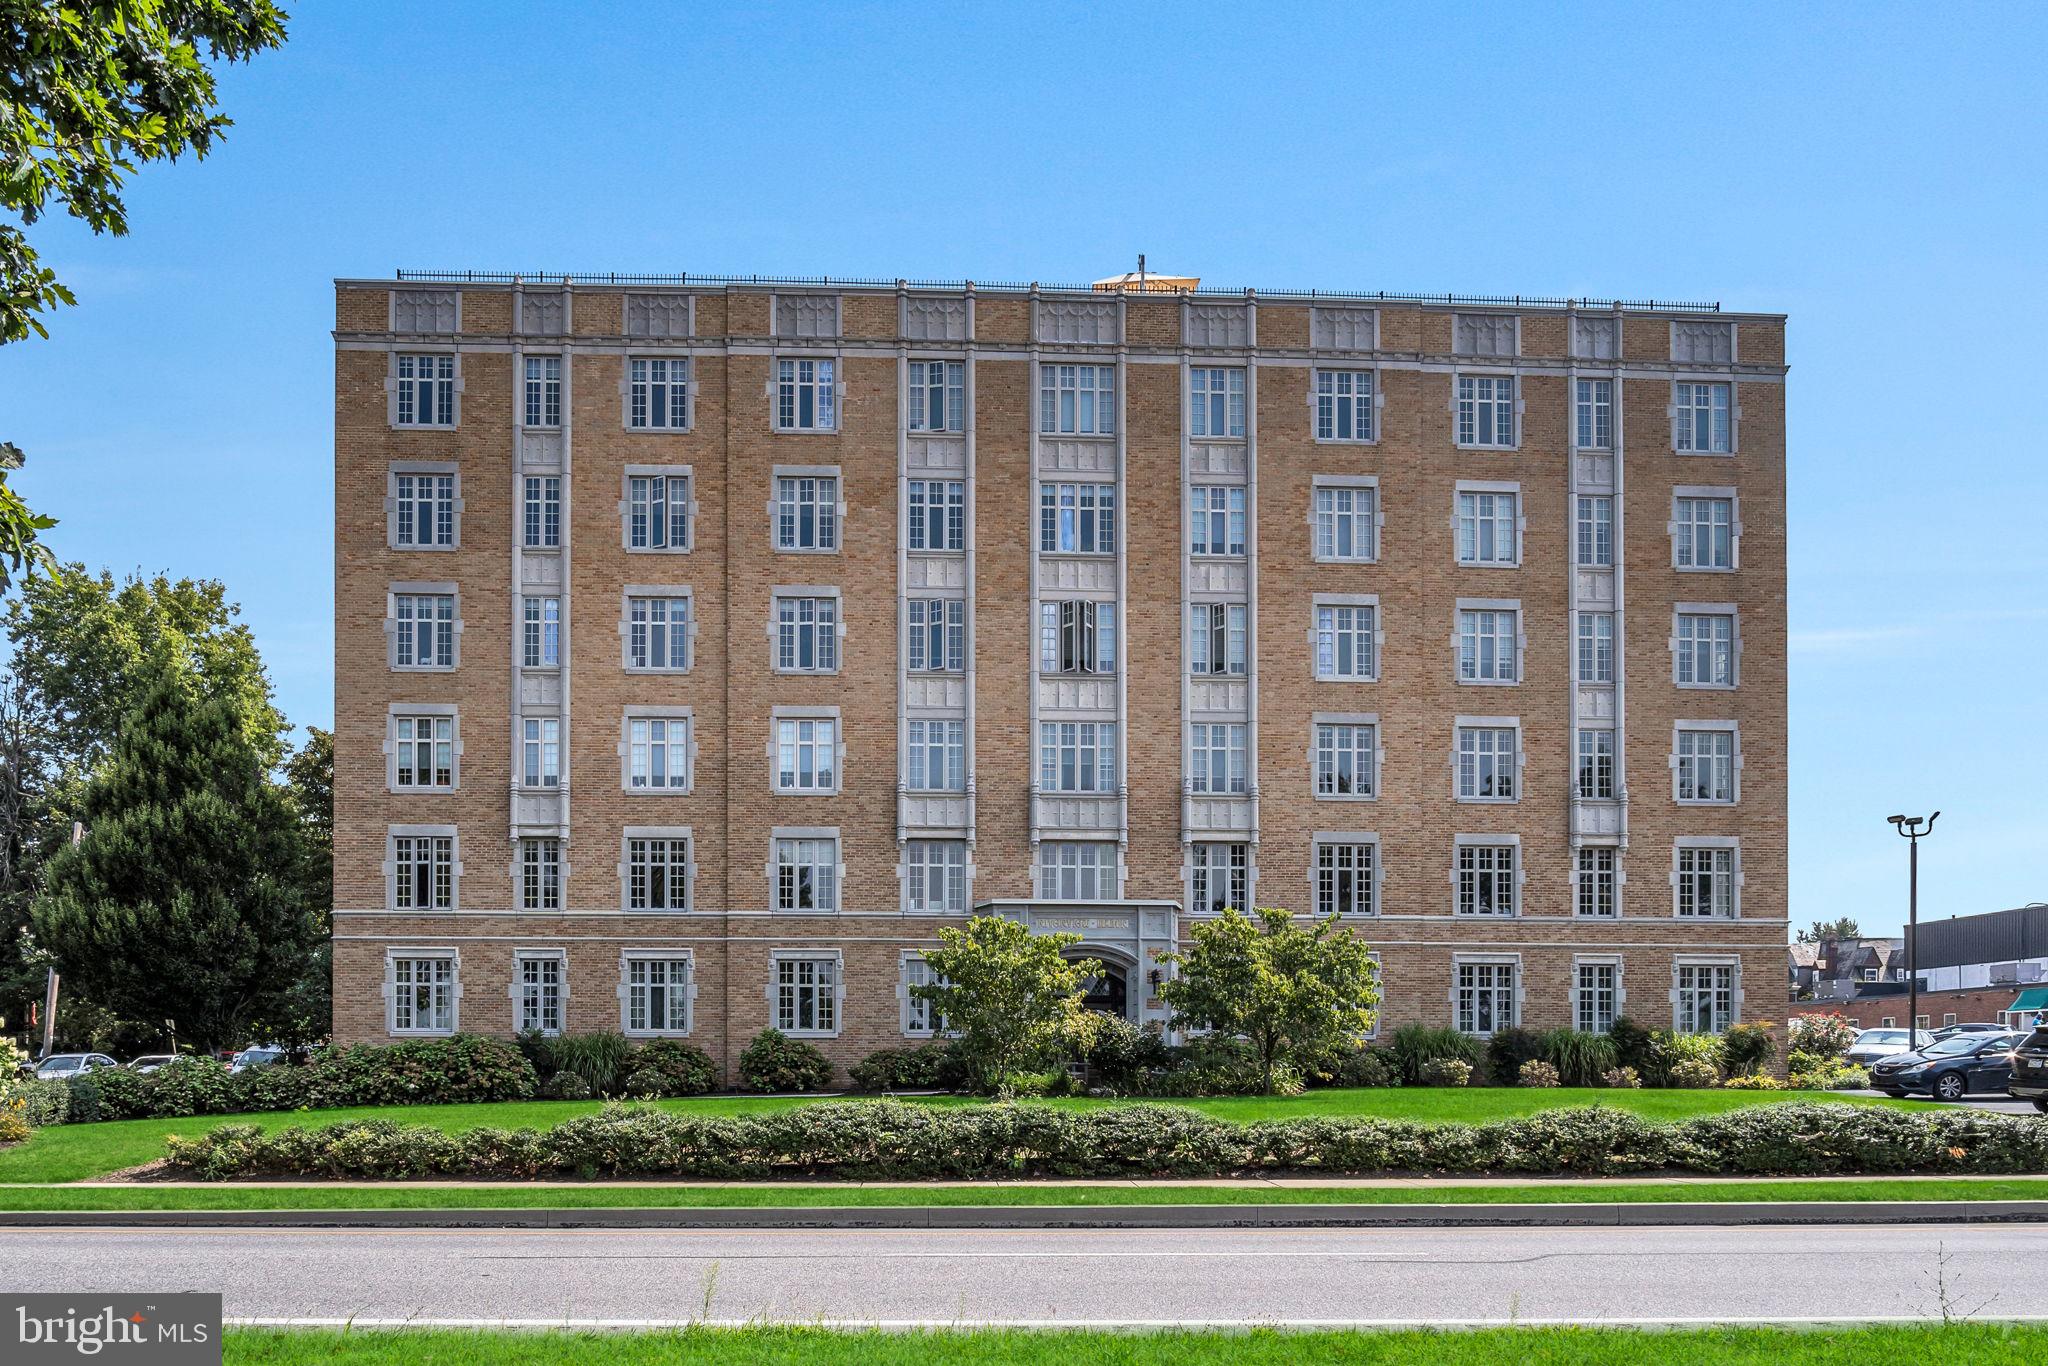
(658, 393)
(807, 635)
(1077, 400)
(1215, 401)
(1486, 410)
(807, 995)
(807, 512)
(425, 756)
(540, 874)
(1702, 411)
(1595, 540)
(1595, 414)
(1216, 638)
(1487, 646)
(938, 395)
(806, 399)
(935, 876)
(1596, 647)
(1216, 757)
(543, 511)
(426, 391)
(424, 509)
(423, 872)
(1486, 997)
(657, 753)
(1344, 879)
(807, 874)
(1706, 881)
(937, 514)
(1077, 756)
(1596, 763)
(657, 873)
(422, 995)
(1594, 997)
(658, 512)
(657, 995)
(1347, 642)
(1344, 409)
(936, 756)
(1486, 879)
(1077, 518)
(1346, 522)
(1346, 760)
(540, 638)
(1487, 757)
(1071, 870)
(539, 1007)
(1596, 882)
(657, 633)
(1706, 649)
(424, 627)
(543, 391)
(1486, 528)
(806, 755)
(938, 634)
(1077, 637)
(541, 751)
(1216, 519)
(1217, 877)
(917, 1012)
(1705, 532)
(1706, 998)
(1706, 765)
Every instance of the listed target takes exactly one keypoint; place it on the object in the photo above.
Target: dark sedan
(1950, 1069)
(2030, 1069)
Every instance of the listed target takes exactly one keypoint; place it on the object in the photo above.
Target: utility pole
(1913, 828)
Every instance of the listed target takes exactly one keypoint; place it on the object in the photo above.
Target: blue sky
(1877, 172)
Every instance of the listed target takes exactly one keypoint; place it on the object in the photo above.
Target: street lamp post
(1913, 827)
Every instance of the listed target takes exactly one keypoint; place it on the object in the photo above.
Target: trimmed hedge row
(887, 1140)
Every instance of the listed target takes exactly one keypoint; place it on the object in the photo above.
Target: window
(807, 635)
(935, 877)
(1346, 760)
(1215, 402)
(1703, 533)
(1596, 882)
(806, 400)
(1077, 400)
(539, 1000)
(938, 635)
(1593, 1007)
(541, 741)
(1596, 647)
(1077, 637)
(1706, 765)
(1706, 998)
(1347, 642)
(1595, 412)
(1344, 409)
(807, 874)
(1486, 997)
(423, 511)
(938, 395)
(1216, 520)
(1069, 870)
(1596, 764)
(1217, 878)
(424, 753)
(1077, 519)
(1706, 881)
(658, 394)
(806, 755)
(657, 994)
(426, 391)
(917, 1012)
(1344, 879)
(1596, 530)
(540, 644)
(807, 995)
(657, 753)
(1216, 643)
(657, 634)
(657, 873)
(423, 868)
(1215, 758)
(1486, 879)
(1077, 756)
(1487, 761)
(1702, 413)
(540, 874)
(1347, 522)
(937, 519)
(1486, 528)
(936, 753)
(425, 630)
(543, 521)
(1486, 410)
(1487, 646)
(543, 391)
(1706, 650)
(658, 512)
(423, 995)
(807, 512)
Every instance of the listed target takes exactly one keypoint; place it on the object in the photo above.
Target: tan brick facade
(1004, 347)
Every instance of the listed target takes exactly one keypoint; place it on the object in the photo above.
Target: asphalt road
(1067, 1277)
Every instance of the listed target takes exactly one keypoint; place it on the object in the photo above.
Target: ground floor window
(1485, 997)
(1596, 994)
(919, 1019)
(807, 995)
(423, 994)
(538, 989)
(657, 995)
(1705, 998)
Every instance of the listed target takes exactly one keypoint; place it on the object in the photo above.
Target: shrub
(192, 1085)
(1124, 1057)
(1368, 1067)
(1416, 1045)
(1747, 1049)
(533, 1046)
(600, 1058)
(1825, 1075)
(1821, 1032)
(85, 1099)
(1693, 1074)
(678, 1068)
(461, 1069)
(644, 1083)
(1221, 1065)
(14, 1120)
(1670, 1050)
(1580, 1057)
(1446, 1072)
(566, 1086)
(1536, 1072)
(1622, 1078)
(45, 1102)
(926, 1067)
(774, 1062)
(1633, 1046)
(1507, 1050)
(1753, 1081)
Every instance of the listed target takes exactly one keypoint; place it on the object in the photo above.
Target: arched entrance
(1108, 992)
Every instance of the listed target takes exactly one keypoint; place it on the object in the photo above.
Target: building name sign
(1081, 924)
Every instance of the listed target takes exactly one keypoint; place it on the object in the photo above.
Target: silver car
(1873, 1044)
(64, 1066)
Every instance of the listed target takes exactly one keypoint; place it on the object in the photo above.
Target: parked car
(1873, 1044)
(1950, 1068)
(1950, 1031)
(2030, 1069)
(150, 1062)
(258, 1055)
(64, 1066)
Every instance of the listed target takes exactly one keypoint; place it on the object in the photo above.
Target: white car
(261, 1055)
(150, 1062)
(64, 1066)
(1873, 1044)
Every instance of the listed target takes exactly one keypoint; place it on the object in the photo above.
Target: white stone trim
(688, 958)
(426, 467)
(443, 348)
(393, 952)
(1514, 960)
(807, 832)
(1709, 609)
(630, 591)
(445, 588)
(1379, 866)
(626, 478)
(1513, 723)
(395, 710)
(513, 985)
(1710, 960)
(1508, 486)
(777, 715)
(624, 867)
(1734, 497)
(1733, 843)
(395, 831)
(1317, 720)
(1735, 784)
(644, 712)
(779, 956)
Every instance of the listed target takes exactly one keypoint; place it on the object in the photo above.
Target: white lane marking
(967, 1324)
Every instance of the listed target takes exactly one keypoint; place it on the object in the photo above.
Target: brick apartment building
(704, 645)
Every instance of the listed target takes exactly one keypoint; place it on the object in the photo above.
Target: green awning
(2033, 998)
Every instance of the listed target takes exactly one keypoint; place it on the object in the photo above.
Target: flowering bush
(1624, 1078)
(1753, 1081)
(1446, 1072)
(13, 1104)
(1821, 1032)
(1536, 1072)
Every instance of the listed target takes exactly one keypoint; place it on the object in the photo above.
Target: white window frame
(796, 718)
(672, 834)
(537, 752)
(1686, 408)
(1479, 727)
(417, 470)
(950, 391)
(1211, 622)
(405, 389)
(416, 712)
(1465, 409)
(788, 485)
(834, 635)
(1083, 617)
(1208, 860)
(1592, 533)
(1594, 654)
(1217, 744)
(650, 593)
(1731, 845)
(1518, 638)
(797, 376)
(1705, 493)
(1354, 722)
(1219, 528)
(668, 475)
(954, 869)
(540, 512)
(391, 633)
(1359, 488)
(393, 955)
(935, 515)
(1592, 414)
(1618, 995)
(1580, 754)
(1101, 745)
(1326, 401)
(529, 856)
(919, 628)
(1102, 499)
(394, 833)
(1732, 964)
(914, 1018)
(796, 837)
(830, 986)
(1050, 865)
(918, 748)
(1216, 398)
(1058, 379)
(1513, 988)
(640, 389)
(669, 717)
(688, 988)
(540, 635)
(1374, 638)
(1518, 875)
(1707, 609)
(1617, 878)
(1375, 876)
(520, 994)
(1681, 729)
(1484, 497)
(540, 394)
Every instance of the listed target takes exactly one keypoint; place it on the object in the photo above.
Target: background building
(1990, 968)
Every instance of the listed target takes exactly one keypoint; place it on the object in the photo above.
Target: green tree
(1294, 992)
(1010, 997)
(1841, 927)
(89, 91)
(182, 900)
